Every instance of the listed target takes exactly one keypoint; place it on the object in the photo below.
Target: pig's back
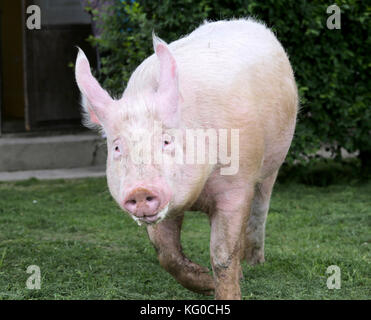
(223, 43)
(216, 52)
(236, 66)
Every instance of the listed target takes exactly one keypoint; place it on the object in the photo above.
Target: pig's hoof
(190, 275)
(202, 283)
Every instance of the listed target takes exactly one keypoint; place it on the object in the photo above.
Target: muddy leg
(255, 231)
(228, 225)
(165, 237)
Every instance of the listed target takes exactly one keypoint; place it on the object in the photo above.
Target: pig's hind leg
(255, 231)
(165, 237)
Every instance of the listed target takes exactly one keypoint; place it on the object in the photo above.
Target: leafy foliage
(332, 67)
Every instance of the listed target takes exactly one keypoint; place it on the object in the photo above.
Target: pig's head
(146, 188)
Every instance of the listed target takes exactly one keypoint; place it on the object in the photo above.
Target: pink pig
(226, 75)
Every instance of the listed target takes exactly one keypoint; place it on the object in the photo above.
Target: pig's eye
(117, 151)
(167, 141)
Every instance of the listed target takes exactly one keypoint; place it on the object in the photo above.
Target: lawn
(87, 248)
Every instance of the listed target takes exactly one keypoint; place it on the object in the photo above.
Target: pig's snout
(143, 203)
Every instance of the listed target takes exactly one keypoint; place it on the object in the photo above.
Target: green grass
(87, 248)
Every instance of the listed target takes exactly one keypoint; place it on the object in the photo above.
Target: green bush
(323, 173)
(332, 67)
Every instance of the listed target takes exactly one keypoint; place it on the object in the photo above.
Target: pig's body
(229, 75)
(234, 74)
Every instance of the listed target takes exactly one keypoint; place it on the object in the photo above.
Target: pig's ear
(95, 100)
(167, 95)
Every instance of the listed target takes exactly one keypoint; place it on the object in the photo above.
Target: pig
(230, 74)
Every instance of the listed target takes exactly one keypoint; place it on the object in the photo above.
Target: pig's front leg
(165, 237)
(228, 225)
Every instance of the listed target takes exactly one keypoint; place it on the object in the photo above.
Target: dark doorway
(38, 85)
(12, 88)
